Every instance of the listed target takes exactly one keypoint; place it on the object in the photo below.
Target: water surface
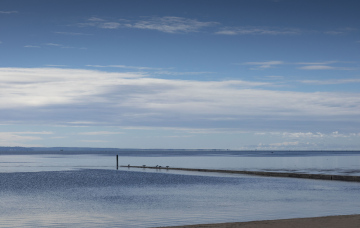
(86, 190)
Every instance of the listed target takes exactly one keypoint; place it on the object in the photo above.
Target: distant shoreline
(338, 221)
(108, 149)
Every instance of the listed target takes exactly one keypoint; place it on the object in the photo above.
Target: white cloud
(264, 65)
(317, 67)
(181, 73)
(46, 86)
(336, 134)
(63, 46)
(162, 24)
(331, 81)
(310, 135)
(94, 141)
(81, 123)
(257, 31)
(303, 135)
(124, 66)
(95, 19)
(109, 25)
(100, 133)
(86, 97)
(324, 67)
(317, 63)
(328, 65)
(52, 44)
(20, 138)
(285, 144)
(158, 71)
(34, 133)
(171, 24)
(31, 46)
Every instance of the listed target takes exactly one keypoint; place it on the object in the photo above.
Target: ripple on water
(109, 198)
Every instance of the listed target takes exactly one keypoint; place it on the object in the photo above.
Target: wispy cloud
(53, 44)
(81, 123)
(95, 19)
(100, 133)
(171, 24)
(20, 138)
(257, 31)
(34, 133)
(340, 31)
(109, 25)
(154, 70)
(331, 82)
(94, 141)
(317, 63)
(8, 12)
(324, 67)
(162, 24)
(124, 66)
(181, 73)
(284, 144)
(73, 33)
(31, 46)
(308, 135)
(303, 135)
(52, 65)
(63, 46)
(75, 97)
(264, 65)
(317, 67)
(328, 65)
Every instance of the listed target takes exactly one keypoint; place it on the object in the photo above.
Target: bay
(86, 190)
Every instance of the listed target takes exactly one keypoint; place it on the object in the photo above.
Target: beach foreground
(341, 221)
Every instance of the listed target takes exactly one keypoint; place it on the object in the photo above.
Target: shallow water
(336, 162)
(86, 190)
(110, 198)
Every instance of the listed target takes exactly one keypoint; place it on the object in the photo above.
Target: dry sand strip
(340, 221)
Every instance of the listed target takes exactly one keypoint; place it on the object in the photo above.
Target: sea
(85, 189)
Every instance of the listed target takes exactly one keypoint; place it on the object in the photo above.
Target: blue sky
(229, 74)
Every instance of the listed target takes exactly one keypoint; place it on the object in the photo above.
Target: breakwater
(260, 173)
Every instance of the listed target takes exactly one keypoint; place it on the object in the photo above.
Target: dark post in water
(117, 162)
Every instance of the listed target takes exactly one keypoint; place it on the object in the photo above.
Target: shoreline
(337, 221)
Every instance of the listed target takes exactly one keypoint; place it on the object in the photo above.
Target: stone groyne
(260, 173)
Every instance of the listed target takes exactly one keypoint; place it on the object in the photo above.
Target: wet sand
(341, 221)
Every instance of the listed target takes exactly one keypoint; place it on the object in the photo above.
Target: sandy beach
(341, 221)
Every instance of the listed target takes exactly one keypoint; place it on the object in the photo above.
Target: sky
(180, 74)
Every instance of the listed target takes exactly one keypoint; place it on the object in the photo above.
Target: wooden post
(117, 162)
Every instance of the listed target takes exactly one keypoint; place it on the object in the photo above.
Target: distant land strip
(261, 173)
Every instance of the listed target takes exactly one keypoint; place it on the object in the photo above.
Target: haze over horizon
(180, 74)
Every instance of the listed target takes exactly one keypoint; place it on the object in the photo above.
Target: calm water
(336, 162)
(86, 191)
